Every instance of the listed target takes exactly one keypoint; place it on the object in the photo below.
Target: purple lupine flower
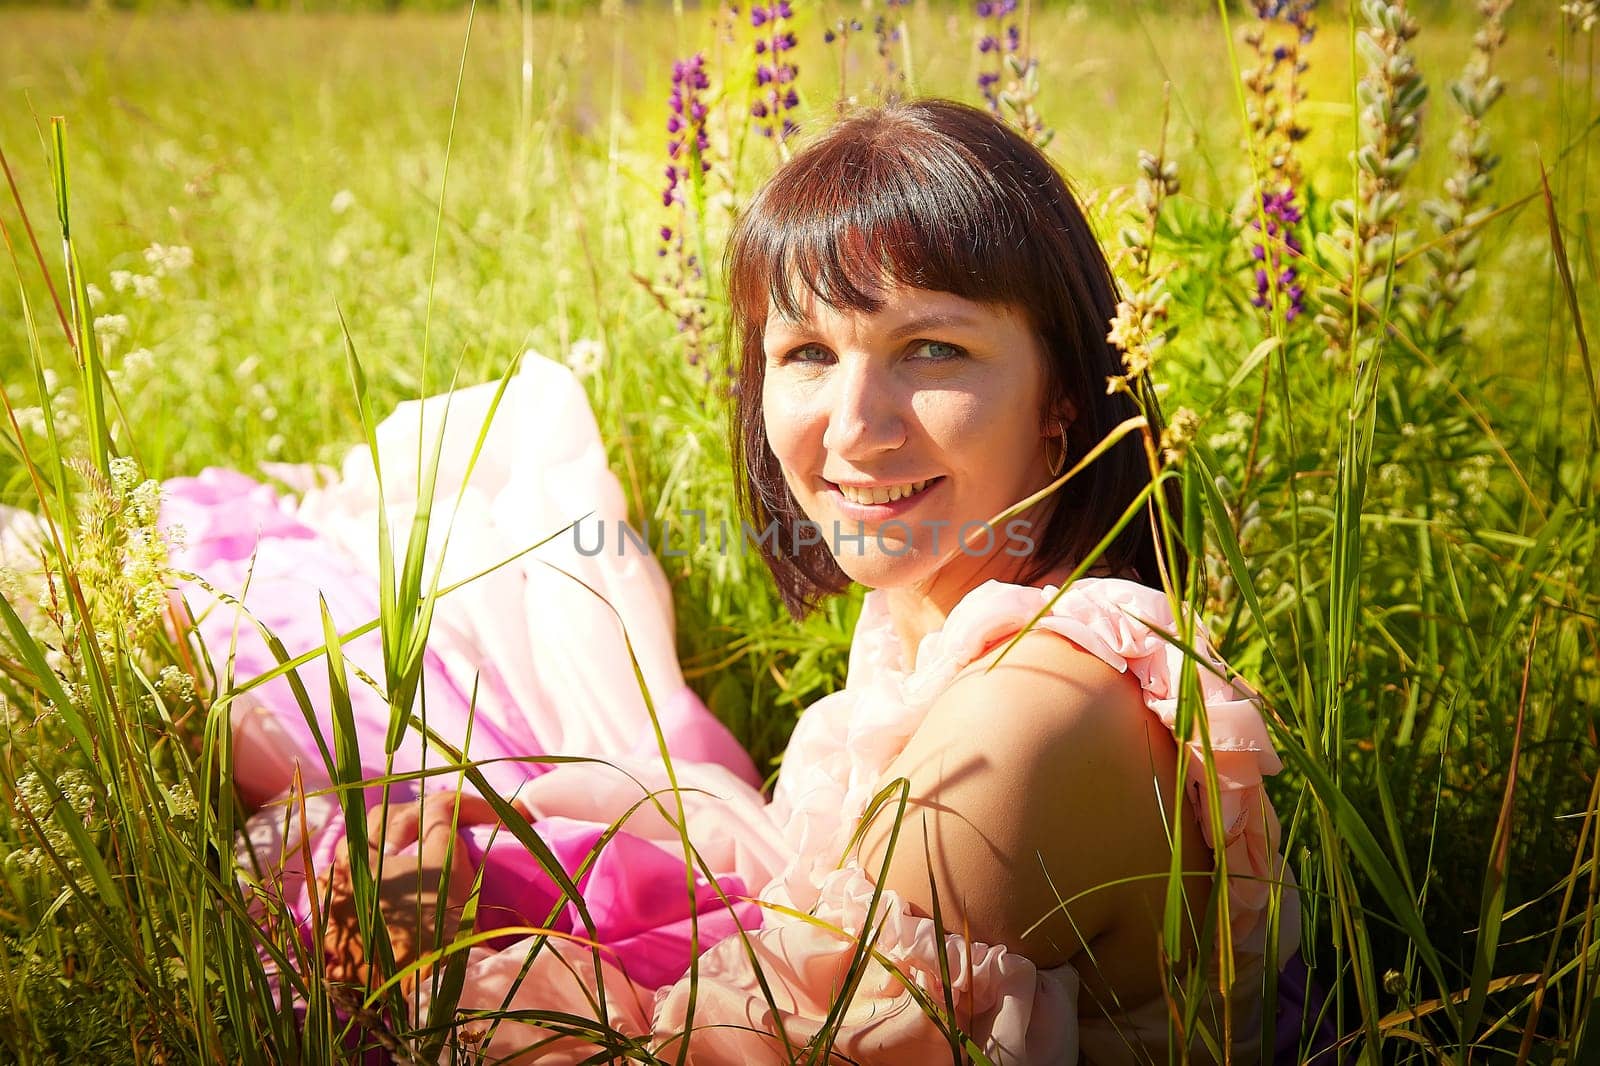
(686, 119)
(1278, 248)
(1287, 26)
(999, 37)
(682, 289)
(886, 33)
(775, 70)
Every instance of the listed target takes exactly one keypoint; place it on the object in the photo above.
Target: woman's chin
(878, 568)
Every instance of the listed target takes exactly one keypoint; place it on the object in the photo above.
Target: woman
(920, 315)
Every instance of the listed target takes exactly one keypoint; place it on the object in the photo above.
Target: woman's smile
(876, 502)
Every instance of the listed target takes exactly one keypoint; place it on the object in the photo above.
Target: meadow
(1388, 443)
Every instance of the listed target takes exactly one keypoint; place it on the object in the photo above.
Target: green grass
(1407, 568)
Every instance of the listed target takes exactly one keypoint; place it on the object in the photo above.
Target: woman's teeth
(886, 494)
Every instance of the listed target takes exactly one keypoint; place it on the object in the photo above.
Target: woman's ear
(1057, 421)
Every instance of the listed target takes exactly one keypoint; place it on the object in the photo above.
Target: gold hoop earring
(1060, 463)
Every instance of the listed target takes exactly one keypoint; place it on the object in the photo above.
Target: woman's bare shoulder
(1033, 772)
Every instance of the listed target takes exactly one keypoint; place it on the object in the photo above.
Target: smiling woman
(924, 273)
(921, 310)
(920, 313)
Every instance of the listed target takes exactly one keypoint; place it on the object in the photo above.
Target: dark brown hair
(940, 196)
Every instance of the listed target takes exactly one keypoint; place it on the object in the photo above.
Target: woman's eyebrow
(933, 320)
(936, 320)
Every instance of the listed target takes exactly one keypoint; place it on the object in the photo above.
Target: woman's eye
(806, 354)
(939, 351)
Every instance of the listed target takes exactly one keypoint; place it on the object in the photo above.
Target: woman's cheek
(953, 422)
(790, 423)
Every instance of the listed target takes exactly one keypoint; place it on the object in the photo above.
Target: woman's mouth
(867, 502)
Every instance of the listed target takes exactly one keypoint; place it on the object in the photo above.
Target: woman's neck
(921, 608)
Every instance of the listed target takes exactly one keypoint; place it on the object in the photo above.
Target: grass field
(1400, 518)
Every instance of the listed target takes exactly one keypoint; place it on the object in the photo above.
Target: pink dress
(549, 664)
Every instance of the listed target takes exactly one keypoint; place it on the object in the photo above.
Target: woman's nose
(864, 417)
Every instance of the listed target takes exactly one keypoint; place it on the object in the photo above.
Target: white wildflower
(146, 286)
(168, 258)
(124, 474)
(78, 790)
(1582, 14)
(1236, 434)
(31, 419)
(145, 501)
(586, 356)
(1393, 476)
(1474, 476)
(180, 799)
(121, 280)
(342, 201)
(176, 684)
(138, 361)
(110, 328)
(1124, 333)
(31, 795)
(1179, 434)
(95, 293)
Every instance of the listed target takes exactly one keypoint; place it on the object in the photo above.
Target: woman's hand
(414, 899)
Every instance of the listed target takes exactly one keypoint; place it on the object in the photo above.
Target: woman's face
(906, 426)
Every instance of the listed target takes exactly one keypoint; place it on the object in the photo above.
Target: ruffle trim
(1016, 1013)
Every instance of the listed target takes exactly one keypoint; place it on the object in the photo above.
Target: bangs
(858, 217)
